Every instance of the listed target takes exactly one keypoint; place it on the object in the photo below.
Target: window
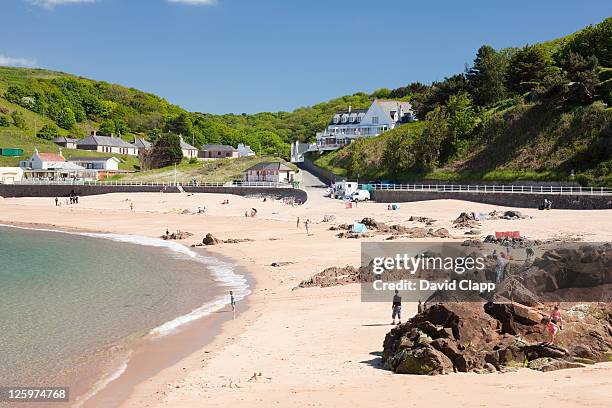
(375, 119)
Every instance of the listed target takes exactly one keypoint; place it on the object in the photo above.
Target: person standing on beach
(396, 308)
(232, 301)
(131, 206)
(306, 225)
(298, 223)
(56, 201)
(420, 307)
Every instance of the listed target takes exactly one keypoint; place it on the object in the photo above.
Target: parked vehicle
(360, 195)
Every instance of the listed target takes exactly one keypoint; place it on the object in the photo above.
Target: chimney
(60, 152)
(93, 133)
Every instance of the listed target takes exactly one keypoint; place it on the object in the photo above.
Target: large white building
(348, 125)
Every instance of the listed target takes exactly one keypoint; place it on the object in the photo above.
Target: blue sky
(239, 56)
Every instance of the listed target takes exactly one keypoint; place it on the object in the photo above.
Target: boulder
(552, 364)
(424, 360)
(210, 240)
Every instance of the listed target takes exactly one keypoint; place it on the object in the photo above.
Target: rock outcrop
(470, 337)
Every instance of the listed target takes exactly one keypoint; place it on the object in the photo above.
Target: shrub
(4, 121)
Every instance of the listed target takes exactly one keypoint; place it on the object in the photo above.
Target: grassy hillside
(212, 171)
(536, 113)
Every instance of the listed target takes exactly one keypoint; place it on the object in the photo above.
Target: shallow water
(65, 298)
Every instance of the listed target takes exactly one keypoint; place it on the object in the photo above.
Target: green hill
(540, 112)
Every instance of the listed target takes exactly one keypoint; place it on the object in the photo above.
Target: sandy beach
(316, 346)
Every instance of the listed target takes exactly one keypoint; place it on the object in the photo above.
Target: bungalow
(104, 166)
(66, 142)
(189, 151)
(215, 151)
(141, 144)
(97, 163)
(52, 166)
(107, 144)
(10, 175)
(275, 172)
(245, 150)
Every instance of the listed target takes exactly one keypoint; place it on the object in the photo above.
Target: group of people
(546, 204)
(73, 199)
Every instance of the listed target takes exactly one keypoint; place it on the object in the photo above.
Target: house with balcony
(52, 166)
(346, 126)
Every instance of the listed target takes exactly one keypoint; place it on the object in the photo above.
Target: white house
(67, 142)
(107, 144)
(216, 151)
(275, 172)
(51, 166)
(189, 151)
(97, 163)
(10, 175)
(244, 150)
(346, 126)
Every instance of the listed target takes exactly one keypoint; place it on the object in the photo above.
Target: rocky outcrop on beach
(396, 230)
(472, 337)
(177, 235)
(466, 220)
(472, 220)
(209, 239)
(424, 220)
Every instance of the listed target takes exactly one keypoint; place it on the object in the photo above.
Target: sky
(246, 56)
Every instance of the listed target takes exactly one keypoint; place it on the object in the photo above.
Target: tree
(591, 41)
(4, 121)
(398, 154)
(19, 120)
(486, 76)
(166, 151)
(527, 68)
(107, 127)
(48, 132)
(440, 92)
(180, 124)
(426, 146)
(66, 119)
(581, 69)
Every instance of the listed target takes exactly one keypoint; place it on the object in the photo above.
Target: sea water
(65, 297)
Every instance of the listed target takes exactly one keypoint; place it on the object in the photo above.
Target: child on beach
(555, 324)
(232, 301)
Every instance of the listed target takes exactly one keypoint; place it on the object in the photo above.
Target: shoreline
(126, 368)
(315, 344)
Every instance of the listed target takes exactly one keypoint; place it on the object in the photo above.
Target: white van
(360, 195)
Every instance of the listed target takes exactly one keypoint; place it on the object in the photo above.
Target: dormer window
(344, 118)
(336, 118)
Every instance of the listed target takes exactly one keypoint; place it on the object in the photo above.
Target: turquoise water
(65, 298)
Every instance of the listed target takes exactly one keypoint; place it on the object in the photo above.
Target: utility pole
(175, 174)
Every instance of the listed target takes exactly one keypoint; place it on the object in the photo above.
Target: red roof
(51, 157)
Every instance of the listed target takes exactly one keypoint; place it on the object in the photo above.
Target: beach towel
(359, 228)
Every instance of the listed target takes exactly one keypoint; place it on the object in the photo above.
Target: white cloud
(53, 3)
(195, 2)
(16, 62)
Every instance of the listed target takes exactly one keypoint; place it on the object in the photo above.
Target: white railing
(152, 184)
(471, 188)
